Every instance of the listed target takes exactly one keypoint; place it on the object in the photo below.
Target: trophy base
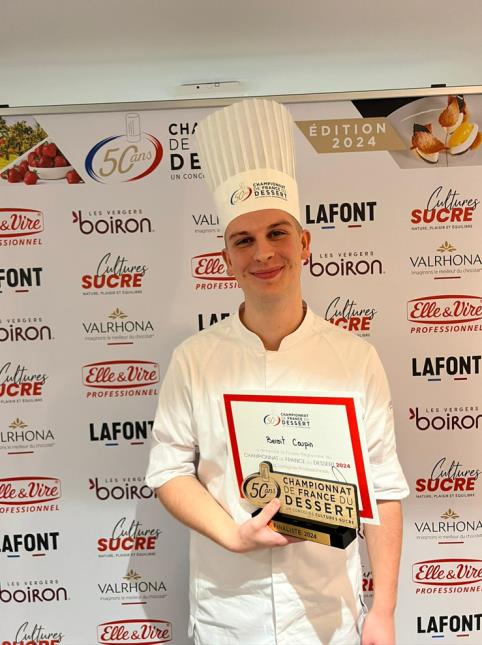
(336, 536)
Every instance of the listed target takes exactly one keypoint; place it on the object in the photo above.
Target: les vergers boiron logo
(445, 313)
(135, 632)
(19, 226)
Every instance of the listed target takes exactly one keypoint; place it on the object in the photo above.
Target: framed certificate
(316, 436)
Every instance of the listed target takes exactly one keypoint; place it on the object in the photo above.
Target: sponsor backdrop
(110, 256)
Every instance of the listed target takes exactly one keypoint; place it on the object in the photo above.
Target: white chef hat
(247, 155)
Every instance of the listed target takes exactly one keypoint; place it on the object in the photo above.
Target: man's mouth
(267, 274)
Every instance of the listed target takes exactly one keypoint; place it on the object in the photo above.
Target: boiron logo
(29, 494)
(114, 222)
(20, 226)
(131, 488)
(211, 272)
(436, 576)
(345, 263)
(132, 631)
(447, 418)
(445, 313)
(120, 376)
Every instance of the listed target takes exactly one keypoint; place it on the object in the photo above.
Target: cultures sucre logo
(20, 279)
(445, 314)
(21, 227)
(132, 631)
(367, 582)
(118, 329)
(450, 527)
(20, 437)
(19, 384)
(330, 215)
(120, 488)
(120, 378)
(445, 209)
(448, 478)
(210, 272)
(112, 432)
(128, 539)
(120, 221)
(446, 263)
(14, 545)
(29, 592)
(184, 163)
(455, 418)
(114, 275)
(29, 494)
(33, 634)
(438, 368)
(24, 329)
(348, 314)
(344, 264)
(447, 576)
(133, 587)
(439, 625)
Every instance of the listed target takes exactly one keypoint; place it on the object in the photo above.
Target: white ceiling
(54, 51)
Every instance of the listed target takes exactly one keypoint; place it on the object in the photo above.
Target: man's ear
(305, 244)
(227, 261)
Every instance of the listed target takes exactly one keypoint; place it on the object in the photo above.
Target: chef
(249, 584)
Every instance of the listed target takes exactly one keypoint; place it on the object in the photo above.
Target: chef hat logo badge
(241, 194)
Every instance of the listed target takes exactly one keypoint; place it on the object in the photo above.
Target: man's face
(264, 252)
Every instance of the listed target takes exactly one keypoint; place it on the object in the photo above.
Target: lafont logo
(141, 631)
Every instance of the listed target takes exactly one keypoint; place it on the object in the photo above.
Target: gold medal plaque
(319, 510)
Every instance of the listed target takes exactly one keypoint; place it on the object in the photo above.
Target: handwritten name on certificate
(320, 436)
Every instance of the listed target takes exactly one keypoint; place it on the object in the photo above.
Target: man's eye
(277, 233)
(243, 241)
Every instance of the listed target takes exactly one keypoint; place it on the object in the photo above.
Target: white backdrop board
(104, 270)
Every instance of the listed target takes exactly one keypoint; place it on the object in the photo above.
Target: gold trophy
(319, 510)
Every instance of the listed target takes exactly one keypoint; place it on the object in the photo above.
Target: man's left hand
(378, 629)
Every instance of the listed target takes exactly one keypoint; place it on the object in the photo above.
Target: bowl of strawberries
(48, 162)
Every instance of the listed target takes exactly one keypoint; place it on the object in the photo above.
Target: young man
(249, 584)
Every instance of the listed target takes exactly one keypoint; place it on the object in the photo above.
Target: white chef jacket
(304, 593)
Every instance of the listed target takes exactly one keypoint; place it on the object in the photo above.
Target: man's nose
(263, 251)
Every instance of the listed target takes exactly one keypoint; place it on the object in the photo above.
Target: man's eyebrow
(282, 222)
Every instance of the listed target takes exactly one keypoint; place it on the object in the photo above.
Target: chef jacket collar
(254, 341)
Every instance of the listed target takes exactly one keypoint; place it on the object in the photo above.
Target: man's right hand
(256, 534)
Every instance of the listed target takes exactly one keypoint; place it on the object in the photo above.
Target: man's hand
(256, 534)
(378, 629)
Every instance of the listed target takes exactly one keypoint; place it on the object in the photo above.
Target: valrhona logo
(445, 313)
(128, 539)
(448, 478)
(21, 227)
(17, 384)
(132, 587)
(19, 437)
(210, 272)
(112, 222)
(118, 328)
(134, 432)
(446, 262)
(445, 208)
(28, 329)
(34, 634)
(133, 631)
(205, 223)
(20, 279)
(348, 314)
(459, 624)
(14, 544)
(448, 575)
(23, 593)
(120, 378)
(114, 275)
(449, 527)
(125, 488)
(353, 214)
(436, 368)
(343, 264)
(454, 418)
(29, 494)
